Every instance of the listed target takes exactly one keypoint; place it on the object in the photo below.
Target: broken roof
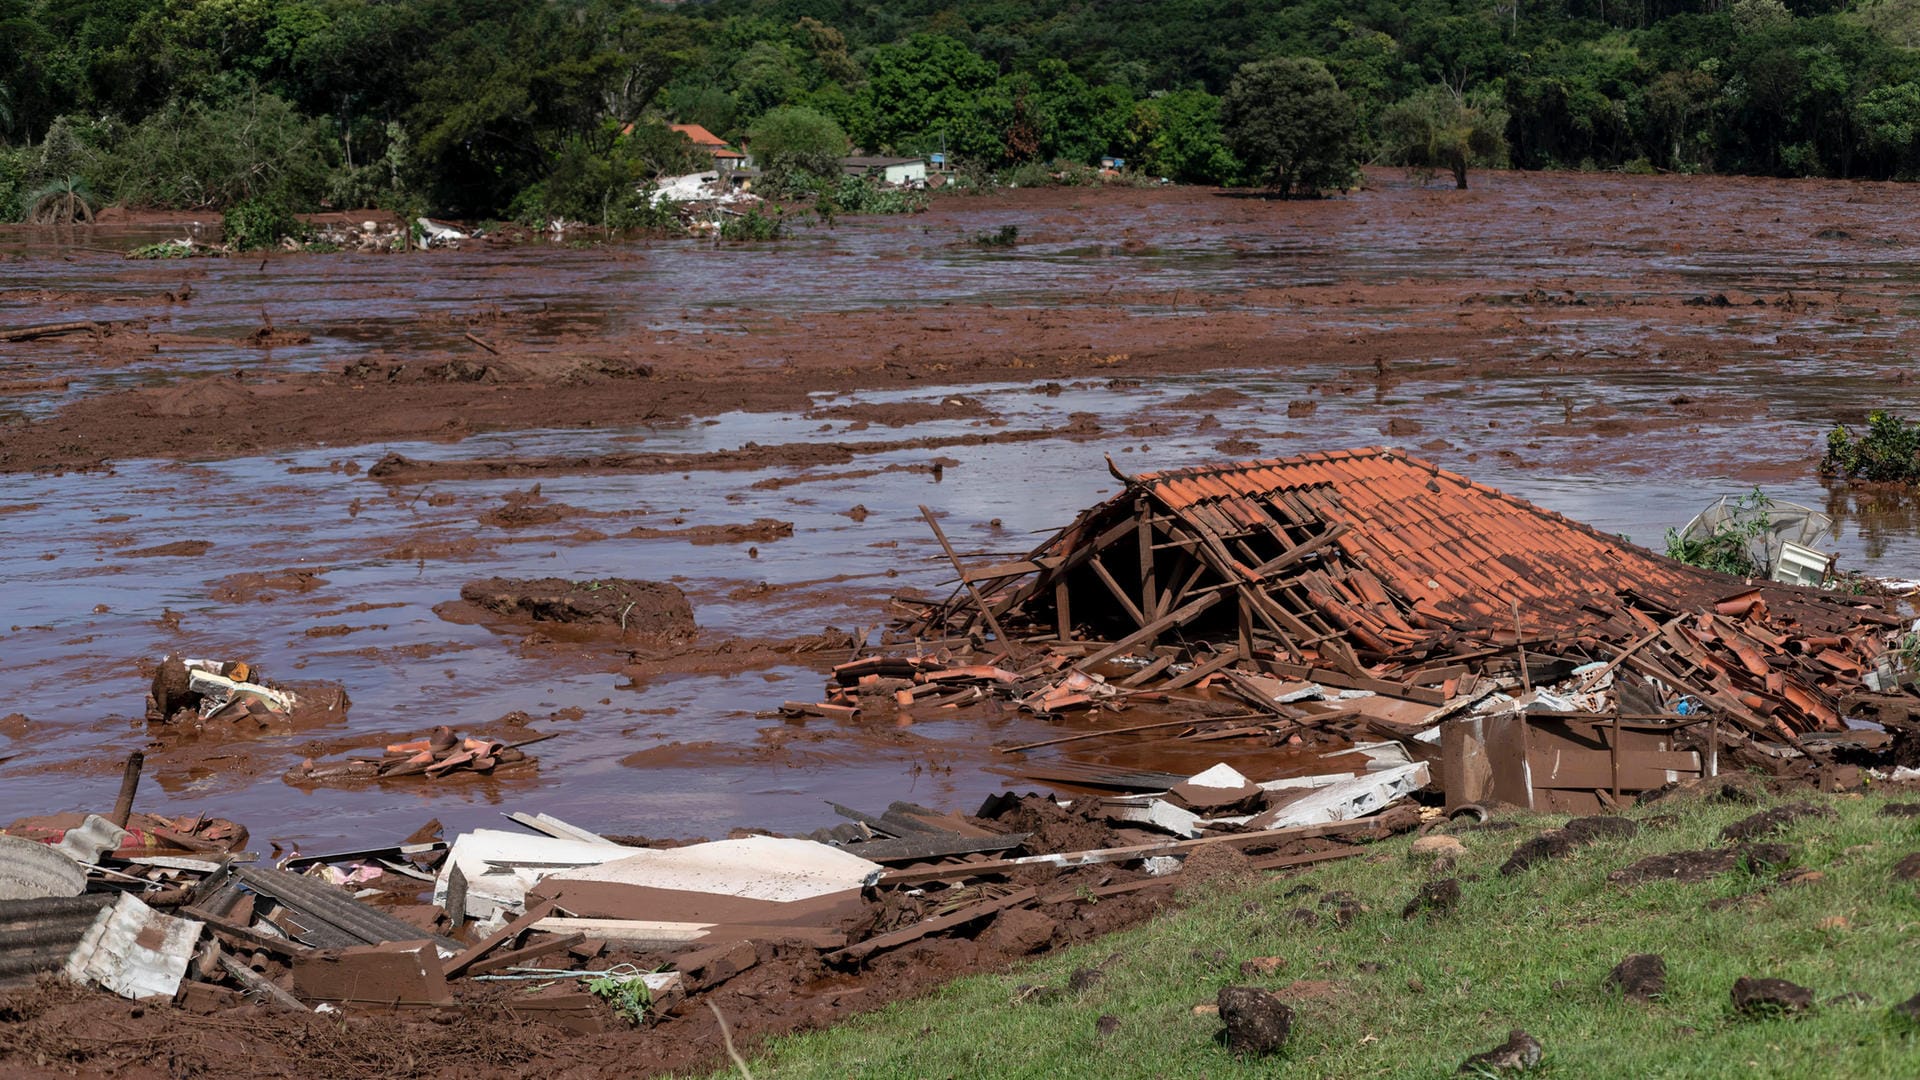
(1375, 565)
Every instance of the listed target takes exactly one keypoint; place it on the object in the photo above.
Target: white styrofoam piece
(754, 867)
(134, 951)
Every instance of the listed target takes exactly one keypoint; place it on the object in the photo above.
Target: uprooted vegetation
(1535, 951)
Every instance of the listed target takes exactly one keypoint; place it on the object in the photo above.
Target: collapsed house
(1373, 571)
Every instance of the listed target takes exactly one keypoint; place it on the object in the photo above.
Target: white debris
(134, 951)
(1348, 798)
(754, 868)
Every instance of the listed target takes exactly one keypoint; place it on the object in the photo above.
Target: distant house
(724, 156)
(902, 171)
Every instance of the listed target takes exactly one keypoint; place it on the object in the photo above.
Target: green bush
(260, 223)
(858, 195)
(754, 225)
(192, 155)
(1889, 451)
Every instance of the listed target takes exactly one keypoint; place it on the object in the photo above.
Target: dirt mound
(642, 608)
(199, 399)
(267, 586)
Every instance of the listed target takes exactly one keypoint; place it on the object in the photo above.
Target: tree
(794, 142)
(1439, 128)
(1291, 125)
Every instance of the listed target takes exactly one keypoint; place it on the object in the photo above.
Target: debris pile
(441, 753)
(588, 933)
(1532, 659)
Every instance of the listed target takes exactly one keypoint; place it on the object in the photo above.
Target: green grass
(1528, 951)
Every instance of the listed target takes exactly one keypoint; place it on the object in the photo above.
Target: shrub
(754, 225)
(1889, 451)
(260, 223)
(193, 155)
(858, 195)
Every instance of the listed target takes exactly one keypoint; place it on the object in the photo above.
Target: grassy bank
(1390, 997)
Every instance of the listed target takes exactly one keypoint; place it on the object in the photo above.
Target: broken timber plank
(487, 944)
(532, 952)
(1383, 687)
(1124, 854)
(864, 949)
(973, 590)
(1177, 618)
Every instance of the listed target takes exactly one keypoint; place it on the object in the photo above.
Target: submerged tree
(1291, 125)
(1440, 128)
(795, 142)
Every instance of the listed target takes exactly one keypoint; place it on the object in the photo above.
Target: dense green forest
(486, 107)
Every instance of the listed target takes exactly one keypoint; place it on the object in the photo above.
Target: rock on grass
(1256, 1021)
(1519, 1053)
(1767, 998)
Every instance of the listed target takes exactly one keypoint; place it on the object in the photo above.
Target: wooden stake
(979, 601)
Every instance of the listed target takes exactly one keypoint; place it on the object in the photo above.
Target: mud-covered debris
(1691, 867)
(1519, 1053)
(1769, 998)
(1435, 897)
(1768, 822)
(1641, 977)
(1908, 869)
(1907, 1012)
(213, 690)
(1561, 842)
(440, 753)
(1900, 809)
(1019, 931)
(637, 608)
(1256, 1021)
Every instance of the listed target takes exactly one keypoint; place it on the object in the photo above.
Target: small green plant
(260, 223)
(1006, 237)
(754, 225)
(626, 991)
(1888, 451)
(1729, 547)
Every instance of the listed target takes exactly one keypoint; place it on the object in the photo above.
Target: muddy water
(1638, 439)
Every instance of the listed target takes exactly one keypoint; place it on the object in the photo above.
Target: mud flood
(760, 424)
